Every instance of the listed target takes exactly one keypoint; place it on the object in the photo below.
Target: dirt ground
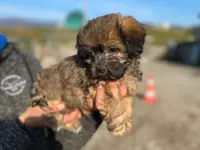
(173, 123)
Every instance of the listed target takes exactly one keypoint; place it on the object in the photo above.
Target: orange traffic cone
(150, 96)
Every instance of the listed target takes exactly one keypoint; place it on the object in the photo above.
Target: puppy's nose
(101, 70)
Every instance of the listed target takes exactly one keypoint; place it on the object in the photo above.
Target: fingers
(114, 89)
(123, 89)
(100, 97)
(67, 117)
(57, 107)
(118, 90)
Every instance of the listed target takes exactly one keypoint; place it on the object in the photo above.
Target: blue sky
(179, 12)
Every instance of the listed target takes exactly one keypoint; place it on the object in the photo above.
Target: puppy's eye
(114, 50)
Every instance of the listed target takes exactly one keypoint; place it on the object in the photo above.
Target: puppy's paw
(39, 100)
(118, 116)
(53, 120)
(56, 122)
(74, 127)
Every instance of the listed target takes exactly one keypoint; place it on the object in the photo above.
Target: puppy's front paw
(56, 122)
(118, 116)
(74, 127)
(39, 100)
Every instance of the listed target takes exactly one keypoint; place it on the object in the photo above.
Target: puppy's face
(108, 44)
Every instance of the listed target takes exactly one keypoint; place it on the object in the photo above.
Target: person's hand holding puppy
(117, 109)
(118, 92)
(32, 117)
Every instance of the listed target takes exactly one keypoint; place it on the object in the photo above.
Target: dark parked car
(184, 52)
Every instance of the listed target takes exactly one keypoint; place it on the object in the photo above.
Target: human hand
(32, 117)
(117, 109)
(119, 91)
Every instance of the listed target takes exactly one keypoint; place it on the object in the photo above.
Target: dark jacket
(17, 73)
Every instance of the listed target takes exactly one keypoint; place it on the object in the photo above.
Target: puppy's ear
(133, 34)
(79, 47)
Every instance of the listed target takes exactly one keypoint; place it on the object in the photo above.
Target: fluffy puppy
(109, 49)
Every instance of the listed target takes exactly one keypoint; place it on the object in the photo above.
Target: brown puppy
(109, 48)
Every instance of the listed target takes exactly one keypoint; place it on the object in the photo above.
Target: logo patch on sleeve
(13, 85)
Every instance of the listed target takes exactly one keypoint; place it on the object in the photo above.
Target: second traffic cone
(150, 96)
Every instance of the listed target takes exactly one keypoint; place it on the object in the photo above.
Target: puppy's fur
(109, 48)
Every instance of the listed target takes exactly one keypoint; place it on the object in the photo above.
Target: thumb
(100, 97)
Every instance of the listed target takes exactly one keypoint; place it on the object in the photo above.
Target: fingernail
(61, 106)
(100, 86)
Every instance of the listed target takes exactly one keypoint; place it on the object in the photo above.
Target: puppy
(108, 49)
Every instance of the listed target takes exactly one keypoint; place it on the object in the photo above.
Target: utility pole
(85, 11)
(198, 15)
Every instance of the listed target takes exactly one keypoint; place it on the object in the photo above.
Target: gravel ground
(173, 122)
(170, 124)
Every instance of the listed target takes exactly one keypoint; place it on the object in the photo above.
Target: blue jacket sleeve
(13, 136)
